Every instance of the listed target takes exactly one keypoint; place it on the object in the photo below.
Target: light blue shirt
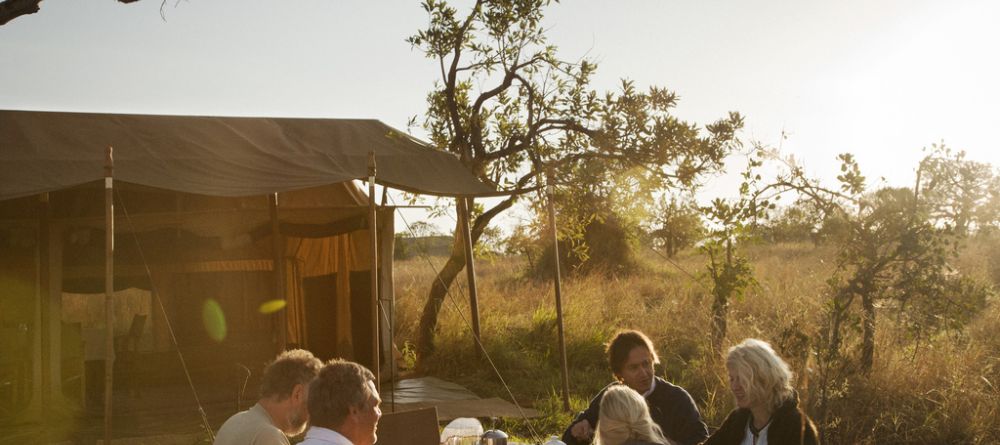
(318, 435)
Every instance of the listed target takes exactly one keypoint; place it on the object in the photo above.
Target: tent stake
(464, 219)
(558, 291)
(373, 237)
(109, 289)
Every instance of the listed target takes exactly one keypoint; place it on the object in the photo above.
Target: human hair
(624, 416)
(763, 374)
(340, 385)
(290, 368)
(623, 343)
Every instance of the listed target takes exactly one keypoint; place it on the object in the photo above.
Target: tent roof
(43, 151)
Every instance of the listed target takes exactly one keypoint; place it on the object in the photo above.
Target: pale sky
(881, 79)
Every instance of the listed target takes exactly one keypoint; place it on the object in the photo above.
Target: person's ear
(299, 391)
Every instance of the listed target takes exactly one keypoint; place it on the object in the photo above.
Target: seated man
(632, 356)
(343, 406)
(281, 410)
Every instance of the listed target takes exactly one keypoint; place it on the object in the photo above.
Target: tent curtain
(295, 308)
(313, 257)
(344, 345)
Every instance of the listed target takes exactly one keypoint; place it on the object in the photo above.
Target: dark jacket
(789, 426)
(670, 406)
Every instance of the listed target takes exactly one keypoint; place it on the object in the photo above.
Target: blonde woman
(624, 420)
(767, 408)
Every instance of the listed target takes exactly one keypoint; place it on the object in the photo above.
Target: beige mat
(451, 399)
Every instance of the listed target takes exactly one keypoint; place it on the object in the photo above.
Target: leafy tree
(795, 223)
(895, 252)
(957, 189)
(732, 222)
(512, 110)
(679, 224)
(12, 9)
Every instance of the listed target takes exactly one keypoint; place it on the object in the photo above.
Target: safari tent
(241, 236)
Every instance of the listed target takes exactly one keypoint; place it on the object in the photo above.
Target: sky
(880, 79)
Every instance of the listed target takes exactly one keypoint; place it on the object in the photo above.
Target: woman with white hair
(624, 420)
(767, 408)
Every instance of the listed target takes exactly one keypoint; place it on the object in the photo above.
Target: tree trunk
(446, 276)
(720, 308)
(435, 298)
(868, 340)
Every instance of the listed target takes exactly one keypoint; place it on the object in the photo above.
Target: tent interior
(208, 260)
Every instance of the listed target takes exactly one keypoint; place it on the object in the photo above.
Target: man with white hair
(281, 411)
(343, 405)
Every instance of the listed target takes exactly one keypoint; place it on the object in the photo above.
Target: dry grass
(943, 391)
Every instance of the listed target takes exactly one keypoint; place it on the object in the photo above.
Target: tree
(795, 223)
(895, 252)
(957, 189)
(513, 111)
(732, 222)
(679, 224)
(12, 9)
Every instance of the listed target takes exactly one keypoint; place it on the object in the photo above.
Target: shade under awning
(43, 151)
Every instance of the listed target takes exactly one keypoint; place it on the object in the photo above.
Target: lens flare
(270, 307)
(214, 320)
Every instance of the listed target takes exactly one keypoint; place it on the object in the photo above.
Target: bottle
(553, 440)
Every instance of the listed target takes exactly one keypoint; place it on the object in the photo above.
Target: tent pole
(44, 268)
(278, 247)
(558, 291)
(464, 218)
(109, 288)
(373, 237)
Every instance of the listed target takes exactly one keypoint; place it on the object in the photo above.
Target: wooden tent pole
(464, 218)
(278, 248)
(109, 289)
(558, 291)
(373, 237)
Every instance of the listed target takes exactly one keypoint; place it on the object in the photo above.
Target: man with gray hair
(343, 405)
(281, 411)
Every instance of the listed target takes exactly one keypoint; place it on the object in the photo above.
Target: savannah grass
(945, 389)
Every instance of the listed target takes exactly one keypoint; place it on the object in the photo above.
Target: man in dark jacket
(632, 356)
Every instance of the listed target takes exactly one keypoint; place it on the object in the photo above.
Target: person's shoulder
(249, 427)
(737, 415)
(269, 435)
(671, 390)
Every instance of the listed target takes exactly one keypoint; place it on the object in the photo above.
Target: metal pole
(109, 289)
(373, 237)
(558, 290)
(470, 268)
(278, 247)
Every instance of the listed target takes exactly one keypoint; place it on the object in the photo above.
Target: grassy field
(944, 390)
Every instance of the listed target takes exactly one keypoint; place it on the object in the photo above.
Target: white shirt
(318, 435)
(250, 427)
(748, 438)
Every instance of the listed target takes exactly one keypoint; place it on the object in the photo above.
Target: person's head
(624, 416)
(757, 376)
(632, 356)
(344, 399)
(285, 387)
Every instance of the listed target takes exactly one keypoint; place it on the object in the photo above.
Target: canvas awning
(43, 151)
